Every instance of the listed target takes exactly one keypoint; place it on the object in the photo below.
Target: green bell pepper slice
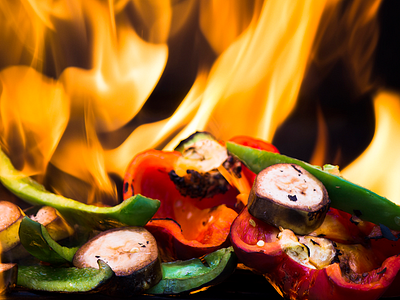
(66, 280)
(37, 241)
(344, 195)
(194, 274)
(135, 211)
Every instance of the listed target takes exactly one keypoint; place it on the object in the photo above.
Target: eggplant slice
(288, 196)
(132, 254)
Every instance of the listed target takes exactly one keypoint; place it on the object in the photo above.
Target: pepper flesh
(364, 271)
(344, 194)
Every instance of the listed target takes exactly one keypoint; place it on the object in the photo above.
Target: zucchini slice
(8, 277)
(11, 249)
(132, 254)
(287, 196)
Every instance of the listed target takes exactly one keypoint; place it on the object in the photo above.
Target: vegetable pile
(189, 216)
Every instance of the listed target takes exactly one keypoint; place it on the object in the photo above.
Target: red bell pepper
(185, 227)
(366, 269)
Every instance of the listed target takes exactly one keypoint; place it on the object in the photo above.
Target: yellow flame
(259, 73)
(216, 15)
(378, 167)
(33, 116)
(58, 121)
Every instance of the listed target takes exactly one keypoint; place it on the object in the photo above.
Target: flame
(27, 127)
(75, 85)
(378, 167)
(259, 74)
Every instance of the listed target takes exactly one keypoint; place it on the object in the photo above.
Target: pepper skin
(365, 270)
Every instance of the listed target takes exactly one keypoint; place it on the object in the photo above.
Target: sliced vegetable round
(200, 152)
(132, 254)
(286, 195)
(8, 277)
(10, 218)
(11, 249)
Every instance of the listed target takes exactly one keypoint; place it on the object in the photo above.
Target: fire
(77, 76)
(378, 167)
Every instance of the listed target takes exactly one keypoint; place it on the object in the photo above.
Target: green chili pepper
(195, 273)
(38, 242)
(135, 211)
(67, 280)
(344, 194)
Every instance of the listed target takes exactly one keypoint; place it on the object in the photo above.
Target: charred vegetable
(135, 211)
(200, 152)
(65, 280)
(343, 194)
(195, 172)
(8, 277)
(132, 254)
(286, 195)
(315, 267)
(195, 274)
(310, 251)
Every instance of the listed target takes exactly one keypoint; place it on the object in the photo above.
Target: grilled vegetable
(286, 195)
(313, 267)
(10, 218)
(312, 252)
(55, 224)
(65, 280)
(8, 277)
(132, 254)
(200, 152)
(135, 211)
(253, 143)
(37, 241)
(203, 223)
(195, 172)
(195, 274)
(343, 194)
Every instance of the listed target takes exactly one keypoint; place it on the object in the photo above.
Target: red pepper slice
(203, 223)
(185, 227)
(374, 267)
